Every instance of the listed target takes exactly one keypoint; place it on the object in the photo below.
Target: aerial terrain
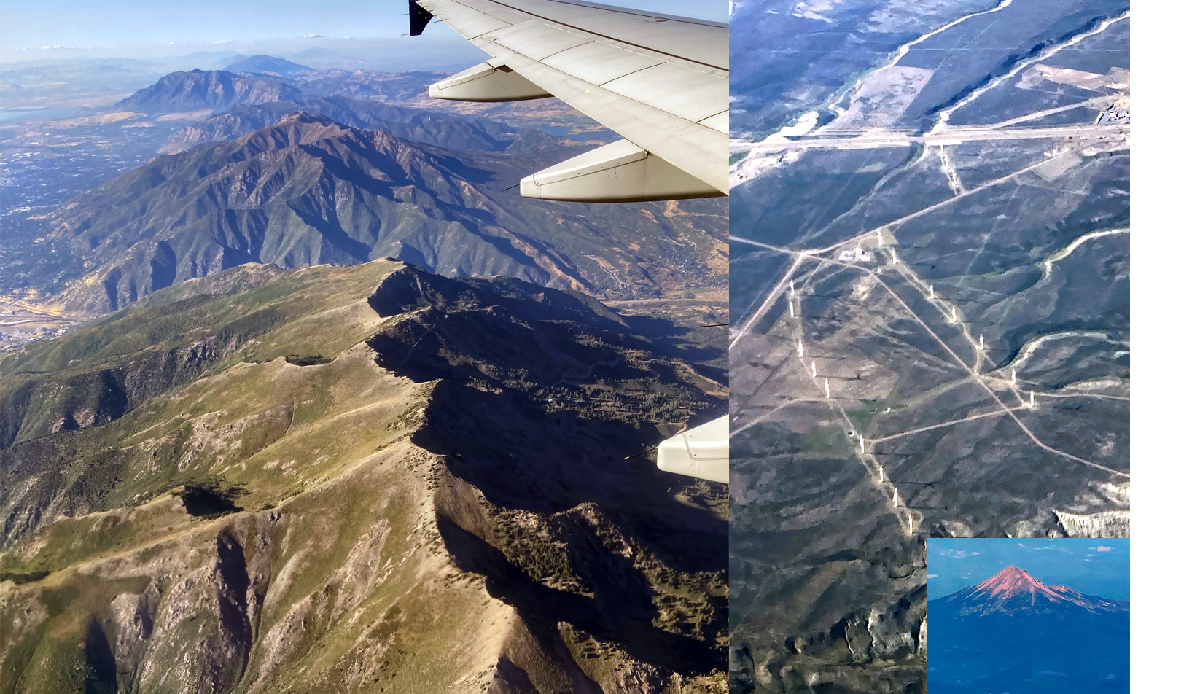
(297, 393)
(993, 635)
(207, 169)
(177, 482)
(929, 287)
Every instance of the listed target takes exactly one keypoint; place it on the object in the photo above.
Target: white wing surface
(701, 452)
(661, 82)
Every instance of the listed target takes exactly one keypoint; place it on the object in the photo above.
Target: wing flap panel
(476, 25)
(599, 62)
(693, 95)
(536, 40)
(718, 122)
(690, 39)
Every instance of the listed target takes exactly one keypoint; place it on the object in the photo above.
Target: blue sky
(1095, 567)
(39, 28)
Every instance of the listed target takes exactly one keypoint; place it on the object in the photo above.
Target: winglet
(418, 18)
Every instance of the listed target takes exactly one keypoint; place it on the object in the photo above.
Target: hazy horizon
(39, 32)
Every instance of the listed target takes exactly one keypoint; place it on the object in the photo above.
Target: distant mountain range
(363, 84)
(308, 190)
(1013, 633)
(217, 90)
(193, 90)
(206, 89)
(267, 65)
(416, 125)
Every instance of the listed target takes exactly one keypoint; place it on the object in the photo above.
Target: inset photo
(1026, 616)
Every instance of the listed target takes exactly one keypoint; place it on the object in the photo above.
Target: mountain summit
(1014, 592)
(308, 190)
(206, 89)
(417, 125)
(1013, 581)
(267, 65)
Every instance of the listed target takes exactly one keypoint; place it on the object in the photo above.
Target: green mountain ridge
(356, 478)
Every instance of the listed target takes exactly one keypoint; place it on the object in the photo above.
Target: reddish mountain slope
(1014, 591)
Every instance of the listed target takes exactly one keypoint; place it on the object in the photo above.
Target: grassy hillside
(363, 478)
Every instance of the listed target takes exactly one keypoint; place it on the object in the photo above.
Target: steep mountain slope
(351, 479)
(416, 125)
(308, 190)
(267, 65)
(200, 89)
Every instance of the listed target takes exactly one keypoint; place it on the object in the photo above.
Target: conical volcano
(1013, 591)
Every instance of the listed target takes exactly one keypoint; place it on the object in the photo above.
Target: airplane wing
(701, 452)
(661, 82)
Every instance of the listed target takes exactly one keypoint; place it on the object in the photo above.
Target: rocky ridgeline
(383, 486)
(308, 190)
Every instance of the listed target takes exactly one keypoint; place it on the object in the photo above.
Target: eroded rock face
(98, 397)
(204, 632)
(875, 636)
